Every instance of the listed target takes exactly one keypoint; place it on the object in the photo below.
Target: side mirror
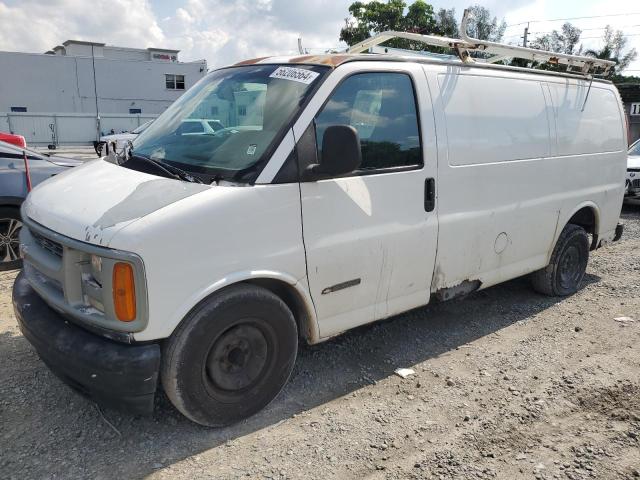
(340, 153)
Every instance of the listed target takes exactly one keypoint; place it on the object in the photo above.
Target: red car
(17, 140)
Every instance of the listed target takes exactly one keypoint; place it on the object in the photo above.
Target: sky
(225, 31)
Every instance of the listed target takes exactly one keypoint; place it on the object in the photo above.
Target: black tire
(568, 264)
(231, 356)
(10, 225)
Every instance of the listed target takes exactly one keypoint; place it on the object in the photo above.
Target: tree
(446, 23)
(367, 19)
(614, 44)
(567, 41)
(564, 41)
(484, 27)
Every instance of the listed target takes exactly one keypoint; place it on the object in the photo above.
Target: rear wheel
(231, 356)
(568, 264)
(10, 225)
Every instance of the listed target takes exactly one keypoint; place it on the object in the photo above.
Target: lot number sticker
(296, 74)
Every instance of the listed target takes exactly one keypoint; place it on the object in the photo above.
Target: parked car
(17, 140)
(13, 190)
(121, 139)
(632, 188)
(371, 186)
(199, 126)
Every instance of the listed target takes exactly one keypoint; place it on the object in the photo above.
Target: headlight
(96, 263)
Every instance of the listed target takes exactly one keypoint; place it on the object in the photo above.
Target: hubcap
(9, 239)
(570, 270)
(237, 358)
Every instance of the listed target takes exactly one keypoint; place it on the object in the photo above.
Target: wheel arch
(13, 202)
(587, 216)
(291, 291)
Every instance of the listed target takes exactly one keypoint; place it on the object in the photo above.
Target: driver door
(370, 236)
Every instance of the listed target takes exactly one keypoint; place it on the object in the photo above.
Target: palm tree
(614, 44)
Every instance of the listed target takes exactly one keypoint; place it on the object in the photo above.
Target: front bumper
(632, 185)
(112, 374)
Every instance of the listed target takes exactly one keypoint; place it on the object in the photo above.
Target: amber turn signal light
(124, 292)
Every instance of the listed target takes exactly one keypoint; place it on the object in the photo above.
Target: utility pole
(95, 91)
(524, 37)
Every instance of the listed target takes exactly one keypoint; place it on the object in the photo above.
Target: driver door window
(381, 106)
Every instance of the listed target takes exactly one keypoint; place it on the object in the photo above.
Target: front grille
(635, 183)
(60, 270)
(48, 244)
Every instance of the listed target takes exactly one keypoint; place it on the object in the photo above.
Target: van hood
(92, 202)
(633, 161)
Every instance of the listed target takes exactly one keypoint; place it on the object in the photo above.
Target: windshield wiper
(184, 175)
(171, 170)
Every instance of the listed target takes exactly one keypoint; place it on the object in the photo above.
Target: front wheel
(231, 356)
(10, 225)
(568, 264)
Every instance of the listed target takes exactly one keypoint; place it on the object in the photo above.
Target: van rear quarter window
(493, 119)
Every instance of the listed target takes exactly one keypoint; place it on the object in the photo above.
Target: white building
(62, 91)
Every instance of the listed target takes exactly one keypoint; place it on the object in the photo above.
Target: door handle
(429, 194)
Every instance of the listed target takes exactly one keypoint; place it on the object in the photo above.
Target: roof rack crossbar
(575, 63)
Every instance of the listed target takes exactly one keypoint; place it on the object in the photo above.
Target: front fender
(299, 285)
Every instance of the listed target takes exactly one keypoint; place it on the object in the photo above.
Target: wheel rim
(237, 359)
(570, 267)
(9, 239)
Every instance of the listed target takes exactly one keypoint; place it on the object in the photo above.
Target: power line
(581, 29)
(560, 33)
(581, 37)
(625, 35)
(574, 18)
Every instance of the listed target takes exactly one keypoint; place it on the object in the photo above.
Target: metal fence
(67, 128)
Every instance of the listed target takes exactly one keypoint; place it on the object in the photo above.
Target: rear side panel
(497, 208)
(590, 146)
(508, 183)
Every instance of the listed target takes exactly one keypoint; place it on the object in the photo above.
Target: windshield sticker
(296, 74)
(252, 149)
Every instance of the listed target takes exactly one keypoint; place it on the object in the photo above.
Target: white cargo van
(343, 189)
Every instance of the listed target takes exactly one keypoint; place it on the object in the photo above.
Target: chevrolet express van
(343, 189)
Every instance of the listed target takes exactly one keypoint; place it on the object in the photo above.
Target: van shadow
(630, 209)
(49, 422)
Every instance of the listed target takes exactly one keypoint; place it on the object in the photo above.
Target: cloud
(221, 31)
(227, 31)
(38, 25)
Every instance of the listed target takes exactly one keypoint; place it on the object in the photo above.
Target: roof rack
(575, 63)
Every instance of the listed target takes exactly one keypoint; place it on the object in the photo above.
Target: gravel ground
(508, 384)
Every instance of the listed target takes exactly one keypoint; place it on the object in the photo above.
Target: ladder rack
(575, 63)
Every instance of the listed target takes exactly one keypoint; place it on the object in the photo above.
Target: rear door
(370, 237)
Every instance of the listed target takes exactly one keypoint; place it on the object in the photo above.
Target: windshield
(142, 127)
(635, 148)
(228, 121)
